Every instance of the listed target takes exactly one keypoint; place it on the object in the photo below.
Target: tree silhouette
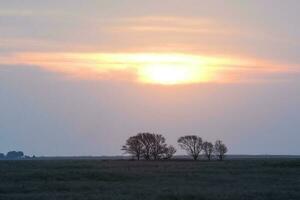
(147, 139)
(169, 152)
(192, 144)
(133, 147)
(220, 150)
(158, 146)
(149, 146)
(208, 149)
(14, 155)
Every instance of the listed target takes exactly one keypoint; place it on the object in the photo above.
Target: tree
(148, 145)
(153, 145)
(147, 141)
(192, 144)
(169, 152)
(2, 156)
(158, 146)
(15, 155)
(133, 147)
(208, 149)
(220, 150)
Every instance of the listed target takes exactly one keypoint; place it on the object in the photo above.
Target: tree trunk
(220, 157)
(195, 157)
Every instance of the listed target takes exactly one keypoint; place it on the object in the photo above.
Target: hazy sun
(172, 69)
(168, 74)
(164, 74)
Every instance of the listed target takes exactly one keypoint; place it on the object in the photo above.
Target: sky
(79, 77)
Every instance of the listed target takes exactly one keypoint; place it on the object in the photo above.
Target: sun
(172, 69)
(168, 74)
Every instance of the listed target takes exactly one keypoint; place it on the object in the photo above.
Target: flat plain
(259, 179)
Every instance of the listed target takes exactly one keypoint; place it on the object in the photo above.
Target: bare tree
(220, 150)
(149, 146)
(208, 149)
(154, 145)
(133, 147)
(147, 141)
(15, 155)
(169, 152)
(158, 146)
(192, 144)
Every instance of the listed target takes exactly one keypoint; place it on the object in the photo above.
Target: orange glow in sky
(147, 68)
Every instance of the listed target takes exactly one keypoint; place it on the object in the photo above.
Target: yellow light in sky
(171, 74)
(165, 74)
(171, 69)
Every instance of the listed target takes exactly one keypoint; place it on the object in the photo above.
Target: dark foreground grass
(168, 180)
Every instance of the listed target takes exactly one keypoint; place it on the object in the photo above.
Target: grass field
(165, 180)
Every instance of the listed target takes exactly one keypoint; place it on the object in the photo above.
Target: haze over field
(80, 77)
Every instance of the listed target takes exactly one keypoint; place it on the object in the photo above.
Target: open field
(97, 179)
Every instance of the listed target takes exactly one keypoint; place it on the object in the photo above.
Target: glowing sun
(172, 69)
(167, 74)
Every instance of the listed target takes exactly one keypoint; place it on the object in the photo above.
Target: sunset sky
(79, 77)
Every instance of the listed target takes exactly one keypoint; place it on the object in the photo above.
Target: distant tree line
(151, 146)
(13, 155)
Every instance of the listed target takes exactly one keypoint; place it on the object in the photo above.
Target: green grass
(166, 180)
